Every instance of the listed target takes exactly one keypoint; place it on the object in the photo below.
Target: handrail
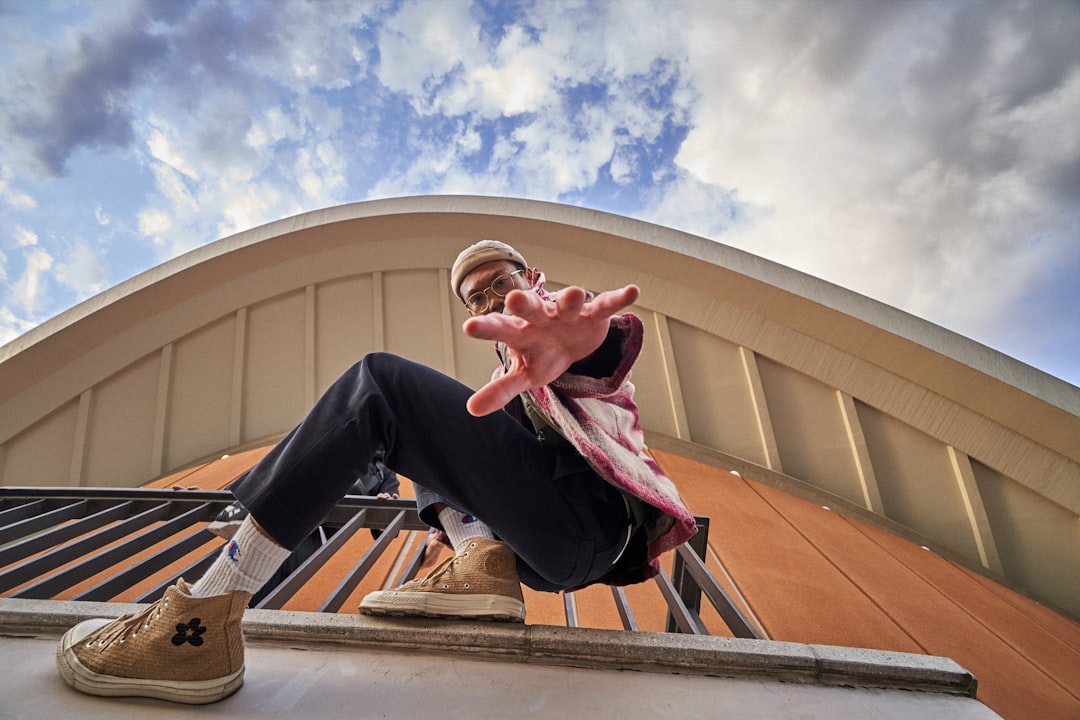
(78, 543)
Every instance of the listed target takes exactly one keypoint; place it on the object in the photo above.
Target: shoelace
(443, 568)
(119, 629)
(439, 570)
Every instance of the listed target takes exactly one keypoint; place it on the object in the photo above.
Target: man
(540, 477)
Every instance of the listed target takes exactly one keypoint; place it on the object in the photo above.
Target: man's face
(480, 279)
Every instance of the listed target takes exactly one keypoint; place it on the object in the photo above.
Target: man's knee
(377, 365)
(378, 359)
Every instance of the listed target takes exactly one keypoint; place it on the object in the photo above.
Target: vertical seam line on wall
(77, 477)
(975, 510)
(309, 346)
(161, 412)
(671, 372)
(236, 405)
(377, 315)
(860, 453)
(766, 432)
(449, 365)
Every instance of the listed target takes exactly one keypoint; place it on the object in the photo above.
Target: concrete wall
(228, 346)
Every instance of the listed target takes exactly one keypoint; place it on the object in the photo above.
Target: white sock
(245, 563)
(459, 527)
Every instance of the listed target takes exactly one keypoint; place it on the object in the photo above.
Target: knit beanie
(478, 254)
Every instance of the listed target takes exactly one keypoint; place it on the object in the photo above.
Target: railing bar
(192, 572)
(21, 511)
(731, 615)
(737, 598)
(380, 512)
(688, 590)
(403, 558)
(31, 546)
(105, 493)
(38, 567)
(307, 569)
(679, 596)
(622, 604)
(34, 524)
(93, 565)
(686, 621)
(377, 507)
(417, 559)
(111, 587)
(399, 527)
(356, 576)
(570, 607)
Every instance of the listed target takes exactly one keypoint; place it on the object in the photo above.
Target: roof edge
(966, 351)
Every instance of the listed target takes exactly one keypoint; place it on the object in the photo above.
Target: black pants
(565, 523)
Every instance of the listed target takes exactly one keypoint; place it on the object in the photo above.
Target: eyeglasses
(479, 301)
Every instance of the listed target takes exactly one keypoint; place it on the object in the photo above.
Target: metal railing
(93, 544)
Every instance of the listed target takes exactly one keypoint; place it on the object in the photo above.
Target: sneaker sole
(190, 692)
(440, 605)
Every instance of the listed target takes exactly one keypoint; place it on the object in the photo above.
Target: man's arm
(543, 339)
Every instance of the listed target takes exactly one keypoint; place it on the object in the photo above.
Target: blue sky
(925, 154)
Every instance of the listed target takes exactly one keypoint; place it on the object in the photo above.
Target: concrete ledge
(665, 653)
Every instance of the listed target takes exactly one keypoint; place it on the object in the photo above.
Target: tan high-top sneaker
(481, 583)
(181, 648)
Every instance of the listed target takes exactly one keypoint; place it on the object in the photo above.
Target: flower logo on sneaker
(192, 626)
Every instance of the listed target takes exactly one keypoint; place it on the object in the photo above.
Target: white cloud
(161, 148)
(29, 289)
(923, 153)
(240, 207)
(693, 206)
(11, 325)
(308, 46)
(321, 174)
(24, 237)
(153, 222)
(12, 197)
(83, 271)
(871, 174)
(423, 43)
(578, 104)
(520, 80)
(273, 127)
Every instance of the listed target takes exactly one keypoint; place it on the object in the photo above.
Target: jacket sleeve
(623, 345)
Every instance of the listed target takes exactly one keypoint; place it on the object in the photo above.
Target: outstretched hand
(543, 338)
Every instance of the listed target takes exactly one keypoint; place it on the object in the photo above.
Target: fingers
(493, 327)
(495, 395)
(542, 338)
(527, 307)
(570, 300)
(523, 304)
(531, 306)
(613, 301)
